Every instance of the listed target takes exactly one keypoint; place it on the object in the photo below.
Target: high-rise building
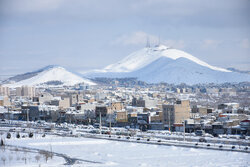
(18, 91)
(176, 113)
(76, 99)
(25, 91)
(4, 91)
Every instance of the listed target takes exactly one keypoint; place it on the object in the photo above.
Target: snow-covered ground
(18, 158)
(116, 153)
(21, 157)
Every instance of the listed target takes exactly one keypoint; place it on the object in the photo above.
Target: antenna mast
(159, 40)
(148, 43)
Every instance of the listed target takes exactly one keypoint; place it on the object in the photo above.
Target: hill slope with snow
(146, 56)
(164, 64)
(47, 76)
(183, 70)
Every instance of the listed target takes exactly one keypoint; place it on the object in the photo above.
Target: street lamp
(184, 129)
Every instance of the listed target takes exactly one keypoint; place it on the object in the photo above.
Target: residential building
(4, 101)
(76, 99)
(45, 97)
(121, 116)
(198, 111)
(176, 113)
(27, 91)
(4, 91)
(103, 110)
(116, 106)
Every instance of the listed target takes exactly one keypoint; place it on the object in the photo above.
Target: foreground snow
(18, 157)
(115, 153)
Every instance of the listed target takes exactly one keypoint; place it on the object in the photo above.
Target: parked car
(199, 132)
(202, 139)
(242, 137)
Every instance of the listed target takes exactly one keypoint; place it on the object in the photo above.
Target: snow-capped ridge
(183, 70)
(48, 67)
(51, 66)
(48, 74)
(175, 54)
(145, 56)
(166, 64)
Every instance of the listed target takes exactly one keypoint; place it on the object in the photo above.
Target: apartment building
(4, 91)
(176, 113)
(4, 101)
(25, 91)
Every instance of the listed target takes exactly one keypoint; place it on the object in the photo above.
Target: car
(242, 137)
(199, 132)
(202, 139)
(8, 136)
(96, 125)
(215, 135)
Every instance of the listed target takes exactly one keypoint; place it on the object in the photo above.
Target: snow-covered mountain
(165, 64)
(146, 56)
(50, 75)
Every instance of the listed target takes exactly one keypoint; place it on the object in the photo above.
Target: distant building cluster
(214, 109)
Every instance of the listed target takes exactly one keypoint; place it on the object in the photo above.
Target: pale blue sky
(89, 34)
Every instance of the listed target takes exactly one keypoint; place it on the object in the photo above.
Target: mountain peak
(166, 64)
(143, 57)
(161, 47)
(46, 75)
(51, 67)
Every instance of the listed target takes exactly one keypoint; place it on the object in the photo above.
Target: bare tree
(37, 157)
(24, 159)
(3, 159)
(10, 158)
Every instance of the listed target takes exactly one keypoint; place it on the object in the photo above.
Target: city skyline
(124, 83)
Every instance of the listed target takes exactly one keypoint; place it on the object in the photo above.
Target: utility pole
(184, 129)
(70, 116)
(110, 124)
(28, 119)
(27, 112)
(169, 129)
(9, 114)
(148, 43)
(100, 124)
(159, 40)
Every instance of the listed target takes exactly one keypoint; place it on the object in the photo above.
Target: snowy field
(100, 152)
(23, 157)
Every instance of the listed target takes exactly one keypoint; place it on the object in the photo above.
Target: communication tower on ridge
(148, 43)
(159, 40)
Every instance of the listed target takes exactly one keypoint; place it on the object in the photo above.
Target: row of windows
(168, 109)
